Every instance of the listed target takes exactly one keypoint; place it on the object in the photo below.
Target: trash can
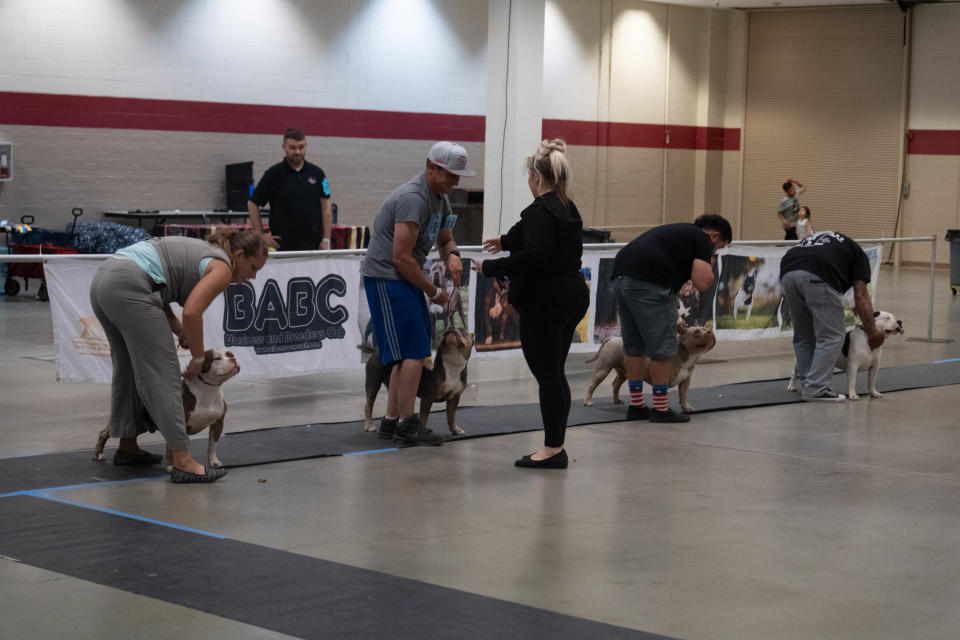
(597, 236)
(953, 237)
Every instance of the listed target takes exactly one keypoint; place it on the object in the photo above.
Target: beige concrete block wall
(934, 201)
(58, 168)
(933, 205)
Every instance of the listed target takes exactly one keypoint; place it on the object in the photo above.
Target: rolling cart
(36, 241)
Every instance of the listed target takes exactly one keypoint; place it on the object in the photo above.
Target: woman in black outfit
(547, 289)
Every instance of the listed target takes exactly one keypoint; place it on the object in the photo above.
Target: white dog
(856, 355)
(203, 404)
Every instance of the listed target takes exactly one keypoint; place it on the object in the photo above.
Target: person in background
(804, 224)
(789, 206)
(547, 289)
(647, 275)
(814, 275)
(413, 218)
(131, 295)
(301, 212)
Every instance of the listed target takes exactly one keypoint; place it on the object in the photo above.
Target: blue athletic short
(400, 319)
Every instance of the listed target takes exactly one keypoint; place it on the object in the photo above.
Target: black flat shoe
(125, 458)
(556, 461)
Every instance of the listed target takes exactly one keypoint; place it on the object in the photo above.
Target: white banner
(748, 304)
(305, 315)
(297, 317)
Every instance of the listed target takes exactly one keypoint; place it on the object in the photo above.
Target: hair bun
(557, 144)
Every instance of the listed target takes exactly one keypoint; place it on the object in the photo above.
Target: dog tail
(597, 354)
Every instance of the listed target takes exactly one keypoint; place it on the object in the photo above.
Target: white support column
(514, 108)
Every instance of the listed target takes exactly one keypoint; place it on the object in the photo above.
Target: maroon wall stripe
(933, 142)
(654, 136)
(57, 110)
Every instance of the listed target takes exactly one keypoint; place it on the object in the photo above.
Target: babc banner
(304, 315)
(297, 317)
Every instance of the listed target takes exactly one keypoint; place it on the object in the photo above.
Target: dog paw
(876, 394)
(616, 401)
(98, 456)
(588, 403)
(853, 396)
(687, 408)
(457, 431)
(215, 463)
(369, 426)
(791, 388)
(169, 468)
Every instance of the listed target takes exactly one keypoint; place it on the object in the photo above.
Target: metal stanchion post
(933, 279)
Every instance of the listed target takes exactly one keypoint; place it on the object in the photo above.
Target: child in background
(804, 226)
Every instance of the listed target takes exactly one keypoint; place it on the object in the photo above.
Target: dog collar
(210, 384)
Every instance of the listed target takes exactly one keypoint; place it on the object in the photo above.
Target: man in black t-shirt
(301, 213)
(814, 275)
(647, 274)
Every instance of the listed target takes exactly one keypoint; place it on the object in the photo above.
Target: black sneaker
(667, 416)
(388, 427)
(411, 431)
(827, 395)
(638, 413)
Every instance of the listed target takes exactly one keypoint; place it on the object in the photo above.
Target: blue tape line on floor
(169, 525)
(947, 360)
(363, 453)
(30, 492)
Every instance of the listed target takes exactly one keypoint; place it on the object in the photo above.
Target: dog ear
(207, 360)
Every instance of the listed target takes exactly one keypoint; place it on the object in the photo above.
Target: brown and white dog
(856, 355)
(692, 342)
(444, 382)
(203, 404)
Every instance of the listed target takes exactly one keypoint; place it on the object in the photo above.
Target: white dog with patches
(203, 404)
(856, 355)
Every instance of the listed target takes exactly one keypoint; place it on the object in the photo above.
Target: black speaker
(239, 185)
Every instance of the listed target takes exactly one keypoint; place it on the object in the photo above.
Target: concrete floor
(796, 521)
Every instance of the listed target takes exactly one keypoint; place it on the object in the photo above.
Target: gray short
(648, 318)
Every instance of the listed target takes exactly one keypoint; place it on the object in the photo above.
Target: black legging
(546, 331)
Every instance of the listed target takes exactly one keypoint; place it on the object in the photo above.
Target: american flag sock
(660, 397)
(636, 393)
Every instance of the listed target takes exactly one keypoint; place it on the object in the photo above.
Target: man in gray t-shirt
(789, 208)
(414, 217)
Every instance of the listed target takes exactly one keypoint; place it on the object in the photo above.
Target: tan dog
(692, 342)
(203, 404)
(445, 381)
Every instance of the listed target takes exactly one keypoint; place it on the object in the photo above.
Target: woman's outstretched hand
(493, 245)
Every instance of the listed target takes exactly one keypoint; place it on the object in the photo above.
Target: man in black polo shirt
(647, 274)
(301, 214)
(814, 275)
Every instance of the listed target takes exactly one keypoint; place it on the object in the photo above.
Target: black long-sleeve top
(546, 243)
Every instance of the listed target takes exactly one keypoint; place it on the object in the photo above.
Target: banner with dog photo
(496, 324)
(296, 317)
(748, 304)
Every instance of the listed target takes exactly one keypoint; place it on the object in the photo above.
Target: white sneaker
(826, 396)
